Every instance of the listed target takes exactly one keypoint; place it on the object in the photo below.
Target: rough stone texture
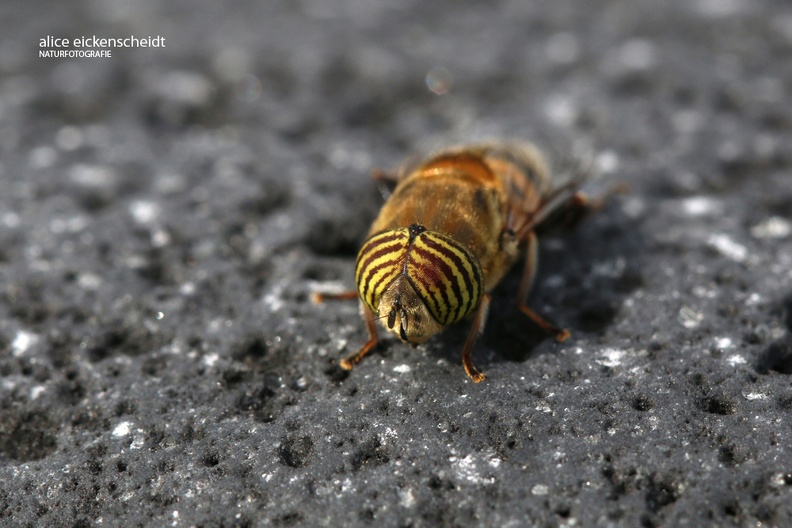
(166, 213)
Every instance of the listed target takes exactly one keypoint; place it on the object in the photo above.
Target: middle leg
(561, 334)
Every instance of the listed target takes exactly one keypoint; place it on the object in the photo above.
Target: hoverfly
(453, 226)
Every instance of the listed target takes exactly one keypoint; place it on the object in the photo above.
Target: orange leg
(385, 176)
(373, 338)
(580, 206)
(561, 334)
(475, 330)
(319, 298)
(576, 210)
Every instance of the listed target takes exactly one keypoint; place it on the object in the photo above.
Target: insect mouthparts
(397, 309)
(392, 317)
(403, 327)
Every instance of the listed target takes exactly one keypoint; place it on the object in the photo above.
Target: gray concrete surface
(166, 212)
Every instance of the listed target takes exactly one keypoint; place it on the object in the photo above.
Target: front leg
(475, 330)
(373, 338)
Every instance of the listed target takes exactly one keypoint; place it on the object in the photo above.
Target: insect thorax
(418, 281)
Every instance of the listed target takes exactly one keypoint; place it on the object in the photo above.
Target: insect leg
(561, 334)
(557, 200)
(477, 328)
(387, 179)
(373, 338)
(319, 298)
(579, 206)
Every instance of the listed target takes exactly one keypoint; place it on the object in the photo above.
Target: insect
(453, 226)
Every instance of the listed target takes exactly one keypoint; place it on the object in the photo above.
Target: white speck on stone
(96, 176)
(22, 342)
(210, 359)
(128, 496)
(634, 207)
(773, 228)
(160, 238)
(273, 300)
(144, 211)
(42, 157)
(728, 247)
(607, 161)
(561, 111)
(89, 281)
(703, 292)
(122, 429)
(753, 299)
(406, 498)
(690, 318)
(611, 357)
(723, 343)
(751, 396)
(10, 219)
(402, 369)
(72, 224)
(465, 469)
(138, 440)
(540, 490)
(701, 206)
(36, 391)
(735, 360)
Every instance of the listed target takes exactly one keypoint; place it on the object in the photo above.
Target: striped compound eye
(445, 276)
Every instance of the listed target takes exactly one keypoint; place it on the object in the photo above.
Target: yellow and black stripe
(445, 275)
(379, 262)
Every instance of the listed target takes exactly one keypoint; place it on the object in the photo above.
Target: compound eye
(379, 263)
(446, 276)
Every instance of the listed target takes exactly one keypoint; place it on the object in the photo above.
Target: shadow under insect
(568, 290)
(778, 356)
